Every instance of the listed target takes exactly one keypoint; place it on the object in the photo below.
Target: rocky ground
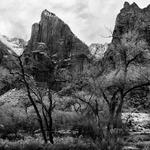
(139, 133)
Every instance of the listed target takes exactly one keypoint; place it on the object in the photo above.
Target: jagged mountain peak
(57, 36)
(134, 5)
(46, 14)
(57, 40)
(126, 4)
(131, 20)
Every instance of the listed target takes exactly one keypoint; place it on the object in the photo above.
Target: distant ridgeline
(52, 39)
(8, 48)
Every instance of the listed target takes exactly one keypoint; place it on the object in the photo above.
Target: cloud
(88, 19)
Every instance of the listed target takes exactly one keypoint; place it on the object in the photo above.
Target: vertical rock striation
(57, 36)
(130, 19)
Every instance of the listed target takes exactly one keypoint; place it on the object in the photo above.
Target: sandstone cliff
(52, 42)
(57, 36)
(130, 18)
(131, 21)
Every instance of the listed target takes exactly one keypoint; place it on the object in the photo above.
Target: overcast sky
(88, 19)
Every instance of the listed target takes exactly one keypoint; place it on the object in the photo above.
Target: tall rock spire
(57, 35)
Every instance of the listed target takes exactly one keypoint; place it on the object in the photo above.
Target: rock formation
(8, 48)
(52, 38)
(130, 19)
(57, 36)
(98, 50)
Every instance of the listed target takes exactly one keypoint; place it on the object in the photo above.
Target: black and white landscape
(60, 93)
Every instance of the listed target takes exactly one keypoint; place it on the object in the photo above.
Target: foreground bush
(38, 146)
(86, 129)
(65, 143)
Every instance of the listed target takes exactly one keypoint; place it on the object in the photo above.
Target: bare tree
(39, 117)
(128, 76)
(114, 86)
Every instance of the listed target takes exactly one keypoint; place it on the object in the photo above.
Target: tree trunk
(32, 101)
(119, 111)
(50, 129)
(118, 121)
(50, 116)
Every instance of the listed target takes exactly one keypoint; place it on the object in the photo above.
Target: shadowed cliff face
(133, 20)
(57, 36)
(53, 42)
